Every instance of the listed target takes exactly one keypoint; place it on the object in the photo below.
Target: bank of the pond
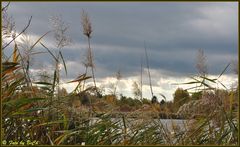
(138, 115)
(168, 124)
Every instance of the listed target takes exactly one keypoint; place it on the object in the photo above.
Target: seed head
(86, 24)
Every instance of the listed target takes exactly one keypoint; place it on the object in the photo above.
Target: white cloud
(165, 86)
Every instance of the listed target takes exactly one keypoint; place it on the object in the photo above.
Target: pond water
(169, 124)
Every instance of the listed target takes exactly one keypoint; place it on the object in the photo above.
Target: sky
(172, 31)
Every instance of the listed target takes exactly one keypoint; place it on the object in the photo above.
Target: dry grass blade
(35, 53)
(9, 67)
(192, 82)
(64, 64)
(43, 83)
(208, 79)
(54, 81)
(13, 106)
(39, 40)
(5, 7)
(80, 78)
(222, 84)
(224, 70)
(20, 102)
(149, 75)
(49, 123)
(49, 51)
(163, 96)
(15, 56)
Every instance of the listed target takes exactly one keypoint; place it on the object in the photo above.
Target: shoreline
(152, 115)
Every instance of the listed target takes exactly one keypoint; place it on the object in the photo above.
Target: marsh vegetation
(40, 109)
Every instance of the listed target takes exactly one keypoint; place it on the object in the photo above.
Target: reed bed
(38, 111)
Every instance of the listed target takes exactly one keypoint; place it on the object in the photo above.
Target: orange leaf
(15, 56)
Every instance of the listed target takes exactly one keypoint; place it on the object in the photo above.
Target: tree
(169, 107)
(85, 100)
(196, 95)
(146, 101)
(111, 99)
(162, 102)
(136, 90)
(180, 97)
(154, 100)
(44, 76)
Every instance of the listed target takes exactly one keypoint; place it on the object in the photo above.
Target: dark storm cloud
(173, 33)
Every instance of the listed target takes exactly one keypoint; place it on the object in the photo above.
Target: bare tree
(44, 76)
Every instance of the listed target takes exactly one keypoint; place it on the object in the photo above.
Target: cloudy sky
(173, 32)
